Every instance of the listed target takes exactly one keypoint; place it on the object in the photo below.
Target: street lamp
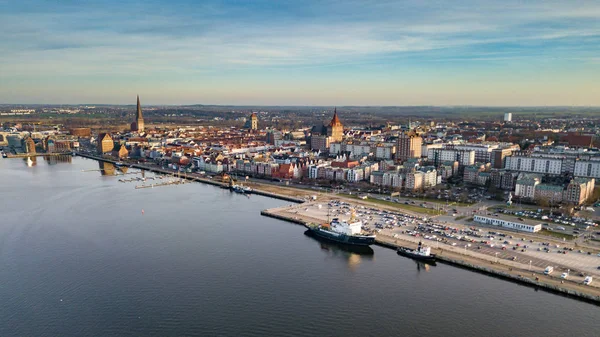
(529, 265)
(496, 257)
(465, 249)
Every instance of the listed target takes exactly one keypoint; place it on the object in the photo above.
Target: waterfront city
(329, 169)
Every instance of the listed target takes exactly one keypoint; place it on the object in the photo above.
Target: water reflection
(53, 160)
(106, 169)
(424, 266)
(30, 161)
(352, 254)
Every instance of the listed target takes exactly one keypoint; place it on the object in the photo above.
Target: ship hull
(410, 254)
(344, 239)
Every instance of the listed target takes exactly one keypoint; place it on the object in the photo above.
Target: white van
(548, 270)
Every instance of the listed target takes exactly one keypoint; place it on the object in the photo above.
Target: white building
(385, 152)
(525, 187)
(587, 168)
(463, 157)
(508, 116)
(483, 152)
(507, 224)
(355, 174)
(534, 165)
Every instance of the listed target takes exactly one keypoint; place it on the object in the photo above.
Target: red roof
(335, 121)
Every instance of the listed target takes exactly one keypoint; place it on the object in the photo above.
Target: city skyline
(310, 53)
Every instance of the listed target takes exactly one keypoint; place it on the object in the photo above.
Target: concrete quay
(516, 271)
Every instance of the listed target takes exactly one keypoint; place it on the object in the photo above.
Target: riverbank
(195, 177)
(467, 259)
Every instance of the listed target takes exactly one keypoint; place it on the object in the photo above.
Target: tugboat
(346, 232)
(422, 253)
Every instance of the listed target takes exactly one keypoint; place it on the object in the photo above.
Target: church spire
(335, 121)
(138, 114)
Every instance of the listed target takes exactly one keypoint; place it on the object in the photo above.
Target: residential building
(525, 185)
(579, 190)
(552, 194)
(409, 145)
(587, 168)
(463, 157)
(414, 180)
(535, 165)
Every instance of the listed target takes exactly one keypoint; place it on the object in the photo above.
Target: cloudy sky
(301, 52)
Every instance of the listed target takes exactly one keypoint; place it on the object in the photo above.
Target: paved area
(507, 248)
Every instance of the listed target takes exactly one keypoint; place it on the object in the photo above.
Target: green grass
(440, 201)
(556, 234)
(412, 208)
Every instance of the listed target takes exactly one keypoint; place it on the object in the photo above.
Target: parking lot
(501, 245)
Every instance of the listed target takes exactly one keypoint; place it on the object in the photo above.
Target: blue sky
(301, 52)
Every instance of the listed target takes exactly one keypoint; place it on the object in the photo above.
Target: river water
(79, 257)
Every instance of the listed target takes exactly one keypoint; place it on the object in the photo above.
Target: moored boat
(346, 232)
(422, 253)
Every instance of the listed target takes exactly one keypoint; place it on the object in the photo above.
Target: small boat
(422, 253)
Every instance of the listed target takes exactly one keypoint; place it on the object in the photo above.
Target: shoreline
(450, 258)
(516, 275)
(192, 178)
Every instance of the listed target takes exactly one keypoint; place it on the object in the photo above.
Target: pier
(454, 255)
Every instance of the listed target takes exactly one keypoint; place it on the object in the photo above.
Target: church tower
(139, 118)
(335, 130)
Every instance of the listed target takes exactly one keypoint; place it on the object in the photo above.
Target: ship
(345, 232)
(241, 189)
(422, 253)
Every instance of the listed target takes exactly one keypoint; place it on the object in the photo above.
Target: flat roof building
(508, 223)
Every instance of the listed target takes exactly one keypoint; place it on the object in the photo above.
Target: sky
(461, 52)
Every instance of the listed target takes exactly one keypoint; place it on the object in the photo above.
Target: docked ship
(422, 253)
(241, 189)
(346, 232)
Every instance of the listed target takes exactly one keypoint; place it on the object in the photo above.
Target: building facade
(534, 164)
(409, 145)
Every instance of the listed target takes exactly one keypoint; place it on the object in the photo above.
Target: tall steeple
(138, 114)
(139, 118)
(335, 121)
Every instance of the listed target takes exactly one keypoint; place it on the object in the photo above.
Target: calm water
(78, 258)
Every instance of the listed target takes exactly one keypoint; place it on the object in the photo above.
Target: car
(564, 275)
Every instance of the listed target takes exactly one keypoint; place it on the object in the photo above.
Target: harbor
(115, 245)
(398, 230)
(314, 208)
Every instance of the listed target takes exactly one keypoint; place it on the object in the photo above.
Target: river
(83, 254)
